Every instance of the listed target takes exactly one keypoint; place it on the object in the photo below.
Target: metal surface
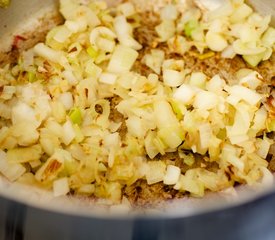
(253, 221)
(22, 16)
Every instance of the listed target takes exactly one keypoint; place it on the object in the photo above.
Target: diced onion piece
(247, 33)
(104, 35)
(172, 78)
(253, 60)
(12, 171)
(205, 100)
(61, 187)
(122, 59)
(75, 116)
(215, 41)
(62, 34)
(69, 76)
(68, 133)
(127, 9)
(197, 79)
(124, 33)
(112, 140)
(25, 133)
(239, 14)
(76, 26)
(237, 133)
(184, 93)
(229, 155)
(169, 12)
(156, 171)
(190, 183)
(108, 78)
(22, 112)
(251, 80)
(246, 94)
(44, 51)
(244, 49)
(7, 92)
(164, 115)
(263, 146)
(228, 52)
(135, 126)
(179, 44)
(224, 10)
(205, 131)
(268, 38)
(92, 69)
(267, 178)
(23, 155)
(67, 100)
(150, 148)
(190, 27)
(171, 136)
(259, 121)
(172, 175)
(53, 166)
(215, 84)
(166, 30)
(154, 60)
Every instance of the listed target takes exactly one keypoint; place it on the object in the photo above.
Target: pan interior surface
(42, 16)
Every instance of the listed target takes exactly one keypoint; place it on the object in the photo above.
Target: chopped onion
(166, 30)
(156, 172)
(172, 78)
(172, 175)
(263, 146)
(67, 100)
(228, 52)
(12, 171)
(68, 133)
(251, 80)
(62, 34)
(150, 147)
(229, 154)
(61, 187)
(122, 59)
(75, 116)
(242, 12)
(245, 94)
(127, 9)
(135, 126)
(215, 41)
(205, 135)
(104, 35)
(215, 84)
(205, 100)
(24, 155)
(184, 93)
(22, 112)
(154, 60)
(244, 49)
(124, 33)
(169, 12)
(44, 51)
(7, 92)
(268, 38)
(197, 79)
(108, 78)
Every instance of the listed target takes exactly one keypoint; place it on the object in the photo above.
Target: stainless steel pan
(29, 213)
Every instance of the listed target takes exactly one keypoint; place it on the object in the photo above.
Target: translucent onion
(122, 59)
(172, 175)
(12, 171)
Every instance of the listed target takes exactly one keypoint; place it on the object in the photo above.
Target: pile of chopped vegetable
(78, 117)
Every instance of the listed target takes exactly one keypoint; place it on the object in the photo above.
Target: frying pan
(30, 213)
